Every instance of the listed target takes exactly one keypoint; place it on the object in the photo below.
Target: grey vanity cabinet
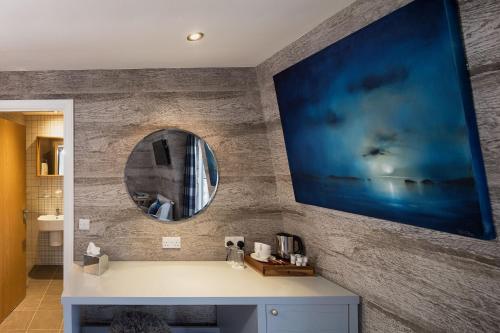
(246, 302)
(307, 318)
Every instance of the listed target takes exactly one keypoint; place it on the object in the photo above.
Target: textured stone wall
(115, 109)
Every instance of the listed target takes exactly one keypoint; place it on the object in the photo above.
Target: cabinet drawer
(307, 318)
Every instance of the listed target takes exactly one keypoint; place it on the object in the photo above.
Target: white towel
(165, 212)
(45, 169)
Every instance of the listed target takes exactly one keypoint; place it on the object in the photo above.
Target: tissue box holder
(95, 265)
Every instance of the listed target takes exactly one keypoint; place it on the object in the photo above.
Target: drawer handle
(274, 312)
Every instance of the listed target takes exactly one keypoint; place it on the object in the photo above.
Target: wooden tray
(275, 269)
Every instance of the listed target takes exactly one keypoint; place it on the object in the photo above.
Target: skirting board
(105, 329)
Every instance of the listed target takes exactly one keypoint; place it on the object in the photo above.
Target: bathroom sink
(54, 224)
(51, 222)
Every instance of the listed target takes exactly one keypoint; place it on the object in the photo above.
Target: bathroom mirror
(171, 175)
(49, 156)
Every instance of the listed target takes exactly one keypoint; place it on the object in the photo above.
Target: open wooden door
(12, 226)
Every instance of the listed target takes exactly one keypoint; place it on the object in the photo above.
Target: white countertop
(194, 282)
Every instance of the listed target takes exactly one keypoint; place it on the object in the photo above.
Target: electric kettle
(287, 244)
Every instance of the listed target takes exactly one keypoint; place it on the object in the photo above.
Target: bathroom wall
(114, 110)
(43, 194)
(410, 279)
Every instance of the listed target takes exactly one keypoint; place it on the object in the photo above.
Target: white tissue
(93, 250)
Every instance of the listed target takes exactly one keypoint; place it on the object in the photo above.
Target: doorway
(36, 201)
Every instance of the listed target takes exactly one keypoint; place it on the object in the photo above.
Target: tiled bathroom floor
(41, 310)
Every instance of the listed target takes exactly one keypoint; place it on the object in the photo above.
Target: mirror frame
(212, 197)
(38, 167)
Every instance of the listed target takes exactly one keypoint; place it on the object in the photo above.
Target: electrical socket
(171, 242)
(234, 239)
(84, 224)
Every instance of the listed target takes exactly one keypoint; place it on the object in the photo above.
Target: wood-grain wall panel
(114, 110)
(130, 81)
(410, 279)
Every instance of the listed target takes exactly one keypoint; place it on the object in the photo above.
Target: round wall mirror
(171, 175)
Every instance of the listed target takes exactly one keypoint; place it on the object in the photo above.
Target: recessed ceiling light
(195, 36)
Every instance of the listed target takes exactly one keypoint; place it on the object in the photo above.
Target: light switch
(171, 242)
(84, 224)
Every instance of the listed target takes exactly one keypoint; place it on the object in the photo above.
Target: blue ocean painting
(382, 124)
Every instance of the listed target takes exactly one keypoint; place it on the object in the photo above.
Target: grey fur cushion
(138, 322)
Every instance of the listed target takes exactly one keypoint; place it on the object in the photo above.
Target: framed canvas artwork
(382, 123)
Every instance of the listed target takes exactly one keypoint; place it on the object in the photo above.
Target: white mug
(265, 251)
(257, 247)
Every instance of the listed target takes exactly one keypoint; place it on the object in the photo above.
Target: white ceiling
(108, 34)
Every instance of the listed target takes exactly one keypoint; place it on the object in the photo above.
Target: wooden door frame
(65, 106)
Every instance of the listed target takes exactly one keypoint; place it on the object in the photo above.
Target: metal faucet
(58, 211)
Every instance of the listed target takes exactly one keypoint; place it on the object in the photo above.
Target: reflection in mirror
(171, 175)
(49, 156)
